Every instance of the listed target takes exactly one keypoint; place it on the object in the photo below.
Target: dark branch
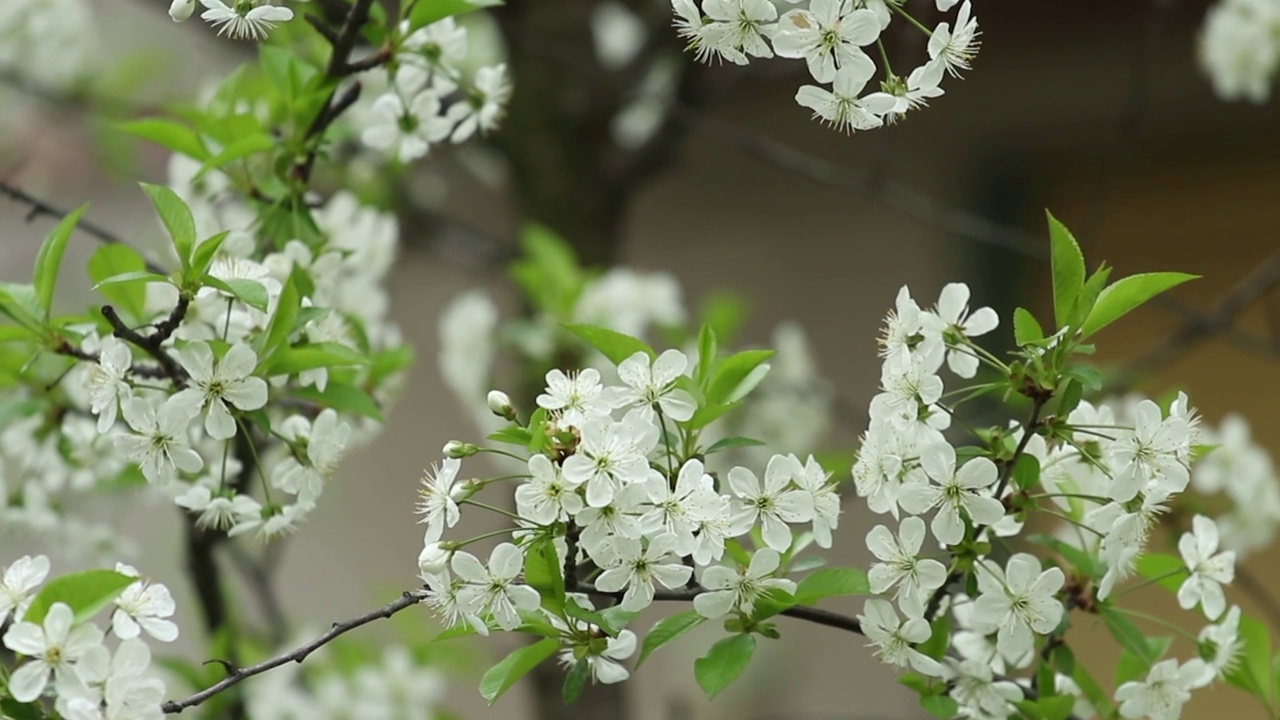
(239, 675)
(151, 344)
(40, 208)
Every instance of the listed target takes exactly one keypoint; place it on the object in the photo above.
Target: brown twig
(40, 208)
(239, 675)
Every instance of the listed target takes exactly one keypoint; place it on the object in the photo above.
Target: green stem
(257, 463)
(1073, 521)
(1158, 621)
(492, 508)
(907, 15)
(1150, 581)
(494, 533)
(884, 57)
(496, 451)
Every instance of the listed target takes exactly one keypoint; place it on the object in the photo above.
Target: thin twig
(40, 208)
(239, 675)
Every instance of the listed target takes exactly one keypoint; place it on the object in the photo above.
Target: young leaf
(941, 706)
(708, 414)
(832, 582)
(734, 371)
(85, 592)
(299, 358)
(249, 292)
(115, 259)
(732, 442)
(514, 435)
(519, 663)
(1026, 329)
(613, 345)
(1068, 270)
(429, 11)
(169, 134)
(1128, 635)
(177, 219)
(668, 629)
(724, 663)
(542, 572)
(706, 354)
(202, 258)
(1071, 396)
(1026, 474)
(343, 397)
(281, 325)
(1126, 294)
(1167, 570)
(575, 681)
(243, 147)
(49, 260)
(1252, 671)
(20, 303)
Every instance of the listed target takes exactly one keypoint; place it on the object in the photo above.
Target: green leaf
(940, 706)
(519, 663)
(1071, 396)
(1081, 560)
(10, 708)
(1252, 672)
(668, 629)
(575, 681)
(1128, 635)
(85, 592)
(136, 277)
(176, 217)
(14, 333)
(613, 345)
(49, 259)
(1127, 294)
(277, 333)
(1088, 376)
(549, 272)
(733, 377)
(1065, 661)
(21, 304)
(240, 149)
(1092, 289)
(732, 442)
(724, 663)
(205, 252)
(343, 397)
(169, 134)
(1026, 330)
(1026, 474)
(298, 358)
(1058, 707)
(249, 292)
(832, 582)
(708, 414)
(706, 354)
(1168, 570)
(113, 260)
(429, 11)
(389, 362)
(514, 435)
(1068, 270)
(939, 637)
(543, 572)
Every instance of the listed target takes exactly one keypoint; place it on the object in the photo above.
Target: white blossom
(773, 503)
(107, 385)
(576, 397)
(638, 567)
(955, 45)
(653, 383)
(952, 320)
(244, 19)
(143, 606)
(18, 583)
(494, 589)
(159, 443)
(729, 588)
(52, 648)
(1209, 569)
(893, 638)
(827, 35)
(218, 382)
(902, 567)
(951, 491)
(843, 107)
(1016, 602)
(1166, 689)
(435, 499)
(548, 496)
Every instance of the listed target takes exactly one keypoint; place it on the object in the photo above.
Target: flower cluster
(50, 42)
(1240, 48)
(612, 490)
(63, 654)
(430, 94)
(835, 39)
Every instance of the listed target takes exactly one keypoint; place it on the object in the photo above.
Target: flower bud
(180, 10)
(465, 489)
(456, 449)
(433, 559)
(500, 405)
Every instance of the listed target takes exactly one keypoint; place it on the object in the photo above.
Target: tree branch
(40, 208)
(239, 675)
(800, 612)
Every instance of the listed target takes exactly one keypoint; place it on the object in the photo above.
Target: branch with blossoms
(626, 494)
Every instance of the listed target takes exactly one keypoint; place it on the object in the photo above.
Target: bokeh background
(1093, 109)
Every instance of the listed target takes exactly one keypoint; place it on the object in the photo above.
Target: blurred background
(1095, 110)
